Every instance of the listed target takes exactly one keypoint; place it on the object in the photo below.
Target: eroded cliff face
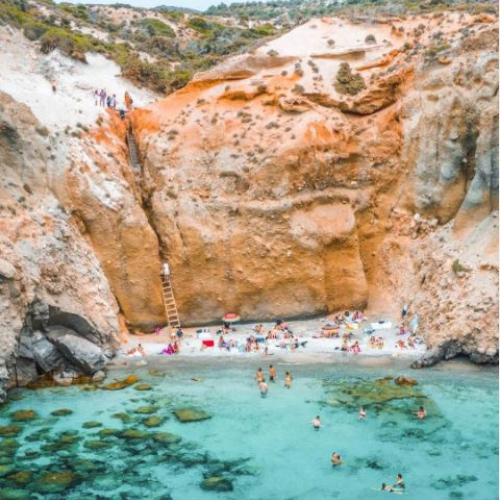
(51, 283)
(271, 194)
(274, 195)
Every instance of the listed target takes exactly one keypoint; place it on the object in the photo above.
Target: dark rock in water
(10, 431)
(124, 417)
(142, 387)
(56, 482)
(92, 424)
(186, 415)
(22, 477)
(97, 445)
(146, 410)
(414, 432)
(62, 412)
(38, 435)
(15, 494)
(23, 415)
(166, 496)
(216, 483)
(32, 454)
(6, 469)
(121, 384)
(374, 464)
(166, 438)
(104, 433)
(405, 381)
(453, 481)
(153, 421)
(81, 352)
(135, 434)
(456, 494)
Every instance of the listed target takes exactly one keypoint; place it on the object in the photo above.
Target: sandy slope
(27, 75)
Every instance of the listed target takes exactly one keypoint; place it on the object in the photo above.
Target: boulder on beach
(216, 483)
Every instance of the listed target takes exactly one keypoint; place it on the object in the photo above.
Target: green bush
(156, 27)
(347, 82)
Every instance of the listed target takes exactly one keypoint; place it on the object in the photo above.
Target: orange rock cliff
(272, 192)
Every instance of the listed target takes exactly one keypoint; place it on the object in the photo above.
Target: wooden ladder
(169, 301)
(133, 152)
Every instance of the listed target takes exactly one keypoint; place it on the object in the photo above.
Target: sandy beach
(316, 348)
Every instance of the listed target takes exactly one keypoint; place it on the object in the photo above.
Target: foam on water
(267, 446)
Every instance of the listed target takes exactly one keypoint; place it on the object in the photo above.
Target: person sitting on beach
(373, 342)
(222, 342)
(272, 373)
(421, 413)
(345, 346)
(141, 350)
(263, 388)
(295, 344)
(380, 342)
(173, 335)
(288, 380)
(400, 482)
(176, 347)
(336, 459)
(316, 423)
(362, 413)
(355, 348)
(386, 487)
(401, 344)
(411, 342)
(259, 375)
(168, 350)
(179, 334)
(357, 316)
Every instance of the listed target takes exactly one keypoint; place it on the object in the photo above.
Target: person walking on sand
(316, 423)
(288, 380)
(102, 98)
(259, 375)
(96, 97)
(272, 373)
(263, 388)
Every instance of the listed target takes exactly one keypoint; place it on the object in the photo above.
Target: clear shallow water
(266, 447)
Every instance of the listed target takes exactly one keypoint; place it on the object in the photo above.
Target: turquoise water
(266, 448)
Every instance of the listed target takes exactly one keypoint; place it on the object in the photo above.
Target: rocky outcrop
(45, 261)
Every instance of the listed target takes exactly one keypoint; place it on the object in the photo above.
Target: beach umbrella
(230, 318)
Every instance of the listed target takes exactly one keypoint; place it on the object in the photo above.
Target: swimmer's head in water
(421, 408)
(383, 486)
(317, 417)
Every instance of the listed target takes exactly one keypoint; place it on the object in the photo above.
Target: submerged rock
(142, 387)
(153, 421)
(21, 477)
(124, 417)
(97, 445)
(10, 431)
(6, 469)
(135, 434)
(146, 410)
(187, 415)
(121, 384)
(55, 482)
(62, 412)
(23, 415)
(15, 494)
(167, 438)
(92, 424)
(104, 433)
(216, 483)
(405, 381)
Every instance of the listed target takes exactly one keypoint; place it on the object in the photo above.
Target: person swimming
(259, 375)
(386, 487)
(421, 413)
(272, 373)
(400, 482)
(362, 413)
(316, 423)
(288, 380)
(263, 388)
(336, 459)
